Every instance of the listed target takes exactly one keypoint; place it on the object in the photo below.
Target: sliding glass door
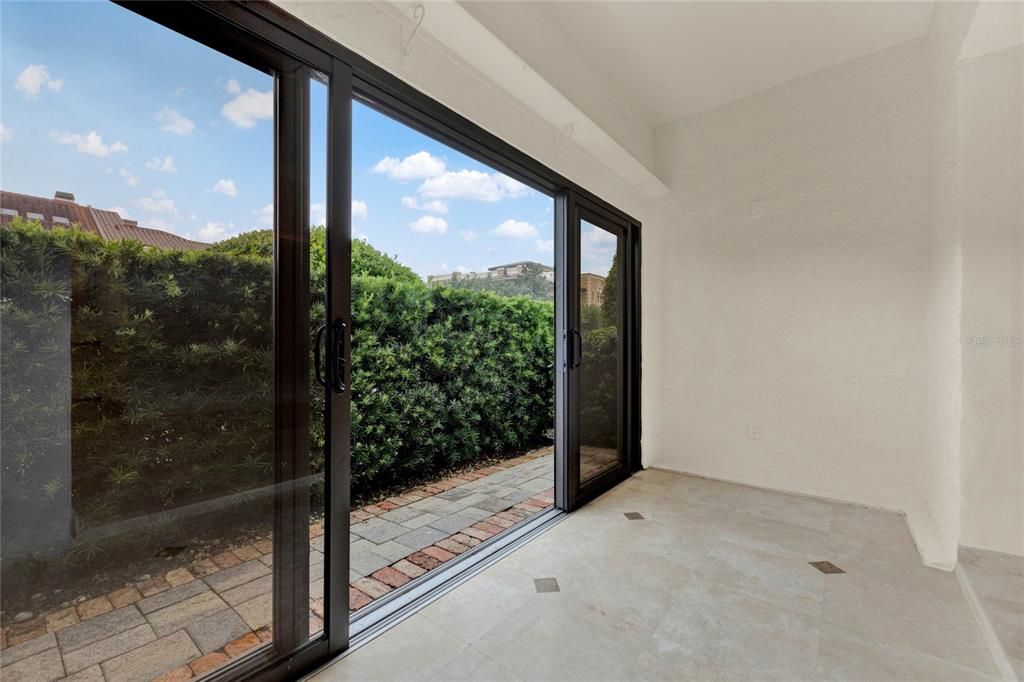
(167, 455)
(596, 248)
(195, 390)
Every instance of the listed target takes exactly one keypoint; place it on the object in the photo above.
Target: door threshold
(382, 616)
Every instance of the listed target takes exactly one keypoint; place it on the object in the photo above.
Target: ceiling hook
(419, 10)
(565, 134)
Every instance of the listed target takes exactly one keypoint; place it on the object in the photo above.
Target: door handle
(575, 349)
(317, 357)
(337, 357)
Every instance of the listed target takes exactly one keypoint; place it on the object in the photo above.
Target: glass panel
(136, 348)
(600, 324)
(317, 316)
(452, 354)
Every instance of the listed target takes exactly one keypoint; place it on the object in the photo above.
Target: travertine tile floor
(713, 583)
(999, 588)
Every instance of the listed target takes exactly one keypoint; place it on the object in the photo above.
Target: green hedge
(171, 360)
(598, 387)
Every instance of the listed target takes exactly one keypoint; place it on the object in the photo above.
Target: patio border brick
(390, 576)
(362, 591)
(438, 553)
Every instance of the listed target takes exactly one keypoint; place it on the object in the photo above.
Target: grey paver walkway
(424, 522)
(197, 617)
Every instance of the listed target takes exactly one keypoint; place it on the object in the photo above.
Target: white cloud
(225, 186)
(546, 245)
(430, 225)
(318, 214)
(215, 231)
(178, 91)
(596, 239)
(264, 216)
(120, 210)
(233, 87)
(435, 206)
(359, 209)
(158, 202)
(462, 268)
(164, 165)
(363, 236)
(5, 133)
(132, 180)
(173, 122)
(472, 184)
(249, 107)
(598, 249)
(91, 143)
(469, 235)
(414, 167)
(516, 229)
(32, 79)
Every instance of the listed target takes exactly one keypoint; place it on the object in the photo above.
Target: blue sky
(132, 117)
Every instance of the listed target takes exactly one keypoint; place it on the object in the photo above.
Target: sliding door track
(379, 616)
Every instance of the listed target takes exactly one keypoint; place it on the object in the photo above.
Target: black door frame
(571, 210)
(235, 31)
(265, 36)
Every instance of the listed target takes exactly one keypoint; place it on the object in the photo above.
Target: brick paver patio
(192, 619)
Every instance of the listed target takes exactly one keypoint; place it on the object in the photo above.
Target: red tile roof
(107, 224)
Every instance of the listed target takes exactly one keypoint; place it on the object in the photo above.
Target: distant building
(62, 211)
(519, 268)
(591, 289)
(496, 273)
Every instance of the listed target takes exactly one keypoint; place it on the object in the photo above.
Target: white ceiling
(670, 59)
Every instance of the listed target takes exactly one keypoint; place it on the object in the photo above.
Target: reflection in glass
(136, 348)
(600, 316)
(317, 316)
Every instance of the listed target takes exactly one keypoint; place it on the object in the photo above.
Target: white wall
(835, 305)
(827, 246)
(940, 473)
(990, 134)
(530, 31)
(787, 292)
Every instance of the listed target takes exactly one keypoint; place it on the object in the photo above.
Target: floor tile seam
(866, 638)
(490, 658)
(988, 632)
(439, 623)
(715, 507)
(718, 541)
(868, 633)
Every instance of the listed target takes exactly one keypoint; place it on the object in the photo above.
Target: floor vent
(826, 567)
(546, 585)
(634, 516)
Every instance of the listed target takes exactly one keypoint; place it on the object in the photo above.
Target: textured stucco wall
(786, 297)
(844, 309)
(940, 473)
(990, 91)
(810, 281)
